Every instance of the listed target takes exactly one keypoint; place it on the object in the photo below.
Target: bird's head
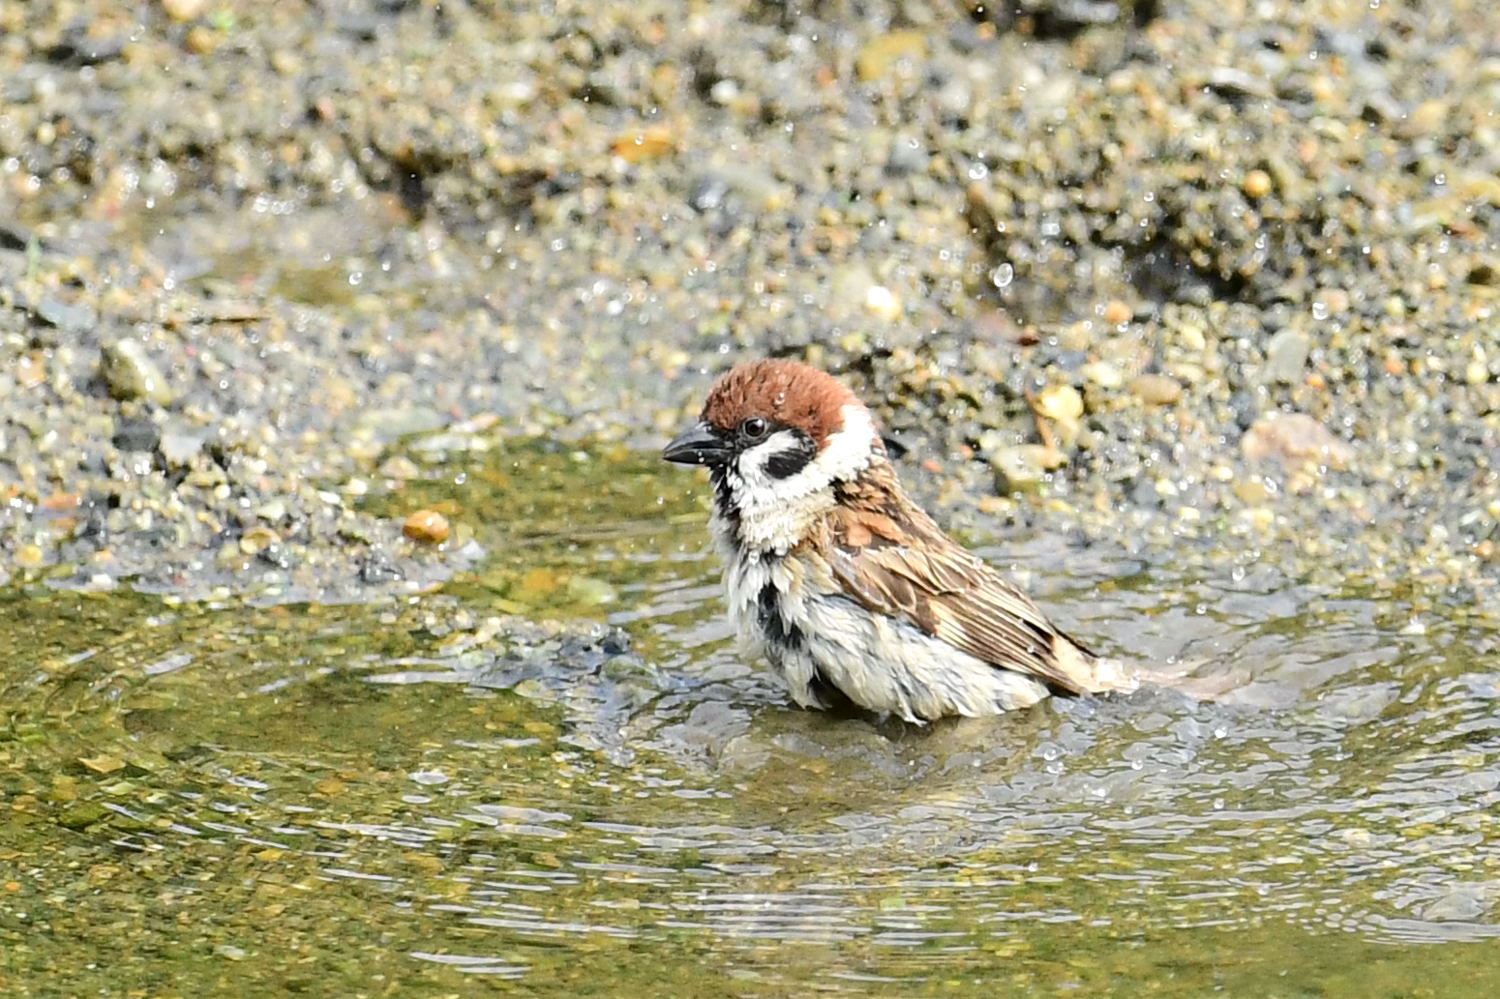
(776, 431)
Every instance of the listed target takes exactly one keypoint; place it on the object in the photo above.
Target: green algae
(428, 796)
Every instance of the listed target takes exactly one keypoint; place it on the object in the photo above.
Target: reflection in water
(425, 793)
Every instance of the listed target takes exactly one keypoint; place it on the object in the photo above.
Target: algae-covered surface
(431, 797)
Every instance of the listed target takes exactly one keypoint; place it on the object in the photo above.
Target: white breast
(880, 663)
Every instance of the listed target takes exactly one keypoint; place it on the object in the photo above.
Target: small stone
(104, 763)
(1462, 902)
(644, 144)
(271, 510)
(137, 434)
(399, 467)
(1286, 356)
(1060, 402)
(1103, 374)
(1252, 491)
(590, 590)
(31, 370)
(398, 422)
(908, 155)
(178, 449)
(536, 584)
(427, 526)
(286, 62)
(81, 814)
(131, 374)
(257, 540)
(883, 54)
(1232, 82)
(184, 10)
(1297, 437)
(202, 40)
(1330, 302)
(1076, 337)
(1156, 390)
(1021, 467)
(30, 556)
(65, 316)
(61, 502)
(1257, 184)
(882, 302)
(1477, 371)
(206, 476)
(1117, 313)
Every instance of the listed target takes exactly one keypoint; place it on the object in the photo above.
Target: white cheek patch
(776, 513)
(844, 456)
(755, 464)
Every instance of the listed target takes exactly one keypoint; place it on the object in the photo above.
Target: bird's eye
(754, 428)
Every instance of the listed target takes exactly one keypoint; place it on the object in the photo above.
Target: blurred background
(1215, 240)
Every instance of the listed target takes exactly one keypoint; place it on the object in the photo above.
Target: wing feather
(899, 563)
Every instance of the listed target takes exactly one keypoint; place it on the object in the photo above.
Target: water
(430, 796)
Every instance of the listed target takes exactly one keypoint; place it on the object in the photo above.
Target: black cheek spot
(793, 460)
(772, 624)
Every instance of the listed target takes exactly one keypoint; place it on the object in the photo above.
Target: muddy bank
(1188, 279)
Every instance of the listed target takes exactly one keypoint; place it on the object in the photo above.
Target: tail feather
(1182, 677)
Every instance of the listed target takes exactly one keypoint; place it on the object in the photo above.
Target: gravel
(257, 246)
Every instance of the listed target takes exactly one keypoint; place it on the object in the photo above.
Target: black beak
(700, 444)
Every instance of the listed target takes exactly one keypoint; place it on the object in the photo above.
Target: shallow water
(424, 797)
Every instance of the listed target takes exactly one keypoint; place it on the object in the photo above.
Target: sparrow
(845, 585)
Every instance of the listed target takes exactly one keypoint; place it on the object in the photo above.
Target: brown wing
(896, 561)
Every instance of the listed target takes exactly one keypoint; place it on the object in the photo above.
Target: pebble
(399, 421)
(178, 448)
(1286, 356)
(1257, 184)
(883, 54)
(257, 540)
(1296, 437)
(1156, 390)
(131, 374)
(427, 526)
(907, 156)
(1060, 402)
(136, 434)
(1462, 902)
(590, 590)
(1103, 374)
(70, 318)
(399, 467)
(1330, 302)
(1117, 313)
(184, 10)
(1022, 467)
(881, 302)
(202, 40)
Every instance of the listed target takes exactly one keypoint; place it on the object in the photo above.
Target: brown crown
(793, 393)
